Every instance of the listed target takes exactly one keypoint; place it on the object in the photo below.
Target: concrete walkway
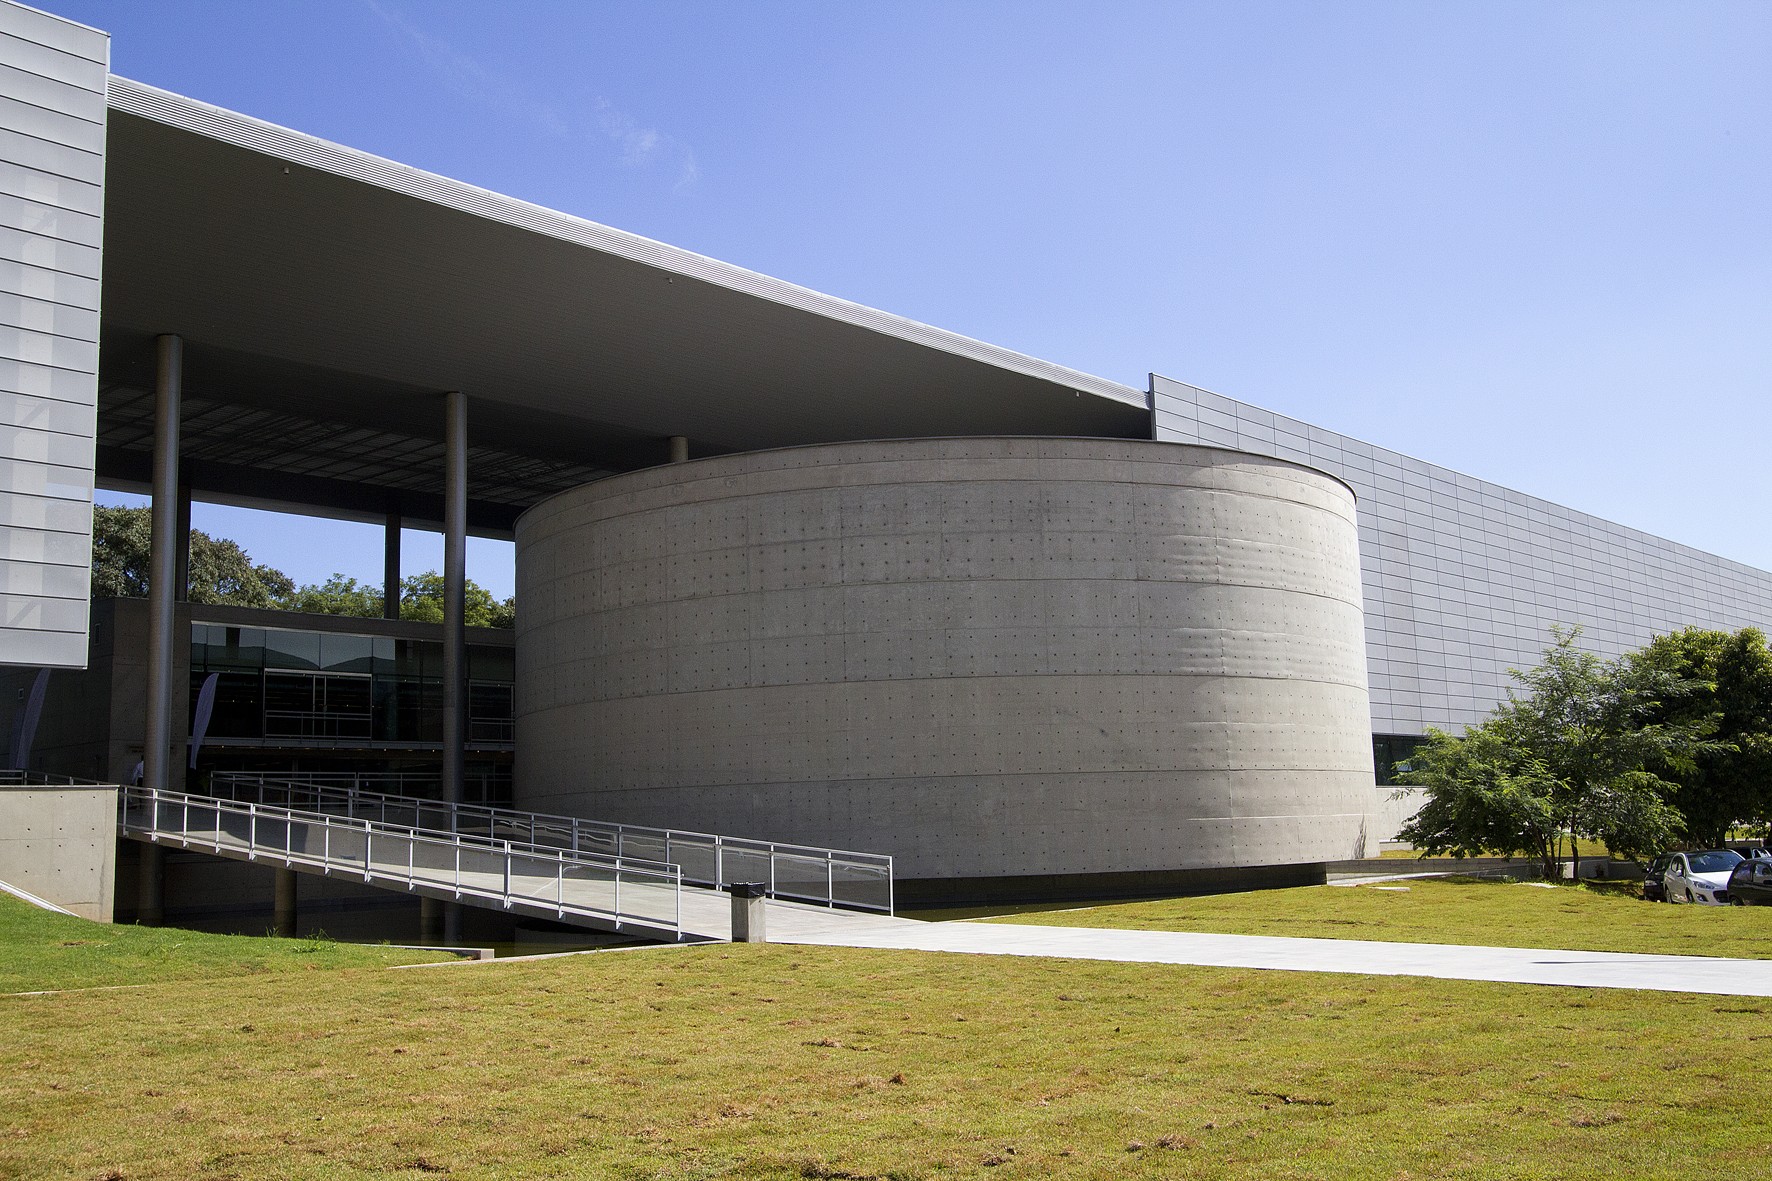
(1577, 969)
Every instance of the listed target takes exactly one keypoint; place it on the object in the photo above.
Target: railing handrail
(425, 835)
(493, 811)
(346, 788)
(633, 869)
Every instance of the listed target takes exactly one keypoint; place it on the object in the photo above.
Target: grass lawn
(781, 1062)
(41, 949)
(1458, 910)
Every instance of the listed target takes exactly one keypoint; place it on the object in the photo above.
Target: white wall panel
(53, 87)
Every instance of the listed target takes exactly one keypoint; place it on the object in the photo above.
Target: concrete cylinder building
(1019, 665)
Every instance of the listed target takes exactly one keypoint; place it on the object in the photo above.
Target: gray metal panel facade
(53, 101)
(1464, 578)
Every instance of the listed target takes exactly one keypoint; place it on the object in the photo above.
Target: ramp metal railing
(548, 881)
(802, 873)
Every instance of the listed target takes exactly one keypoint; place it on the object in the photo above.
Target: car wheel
(1738, 901)
(1689, 897)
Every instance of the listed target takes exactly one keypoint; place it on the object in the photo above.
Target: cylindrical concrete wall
(988, 657)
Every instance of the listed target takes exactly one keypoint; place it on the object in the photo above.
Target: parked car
(1702, 876)
(1750, 884)
(1655, 879)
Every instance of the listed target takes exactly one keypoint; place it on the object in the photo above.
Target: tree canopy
(1577, 754)
(222, 572)
(1730, 780)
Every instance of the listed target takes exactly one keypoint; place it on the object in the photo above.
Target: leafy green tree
(338, 595)
(421, 599)
(1569, 758)
(220, 571)
(1730, 781)
(1484, 796)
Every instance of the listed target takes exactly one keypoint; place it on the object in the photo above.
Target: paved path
(1581, 969)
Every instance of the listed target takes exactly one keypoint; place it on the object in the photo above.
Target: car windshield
(1719, 861)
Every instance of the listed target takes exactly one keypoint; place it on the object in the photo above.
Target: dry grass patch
(782, 1062)
(1460, 910)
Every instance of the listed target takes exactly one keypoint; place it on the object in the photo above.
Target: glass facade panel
(279, 683)
(287, 649)
(1390, 754)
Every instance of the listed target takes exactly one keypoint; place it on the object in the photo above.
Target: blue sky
(1529, 241)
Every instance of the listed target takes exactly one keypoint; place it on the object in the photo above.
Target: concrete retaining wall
(60, 843)
(988, 657)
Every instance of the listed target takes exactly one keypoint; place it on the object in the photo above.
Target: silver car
(1701, 877)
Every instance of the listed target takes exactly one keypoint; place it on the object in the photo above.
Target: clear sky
(1529, 241)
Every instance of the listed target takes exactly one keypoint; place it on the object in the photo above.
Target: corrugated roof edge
(201, 118)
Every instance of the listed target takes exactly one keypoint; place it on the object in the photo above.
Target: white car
(1701, 877)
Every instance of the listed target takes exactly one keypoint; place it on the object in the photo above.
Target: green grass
(40, 949)
(1458, 910)
(779, 1062)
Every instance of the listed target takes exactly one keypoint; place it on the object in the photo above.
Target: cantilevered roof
(327, 297)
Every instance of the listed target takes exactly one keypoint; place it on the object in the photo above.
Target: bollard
(747, 912)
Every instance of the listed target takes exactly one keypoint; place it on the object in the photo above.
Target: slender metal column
(455, 575)
(181, 535)
(679, 449)
(163, 562)
(390, 569)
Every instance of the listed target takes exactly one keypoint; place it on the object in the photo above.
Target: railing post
(719, 863)
(252, 832)
(507, 875)
(830, 879)
(560, 887)
(368, 848)
(772, 868)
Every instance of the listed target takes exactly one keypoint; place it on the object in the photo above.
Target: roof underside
(327, 298)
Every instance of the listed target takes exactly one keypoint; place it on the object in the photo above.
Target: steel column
(679, 449)
(455, 576)
(163, 561)
(181, 581)
(455, 573)
(390, 568)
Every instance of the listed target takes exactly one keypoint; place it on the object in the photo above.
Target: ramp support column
(283, 908)
(150, 887)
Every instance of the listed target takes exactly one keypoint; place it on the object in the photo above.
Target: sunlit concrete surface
(988, 657)
(1514, 965)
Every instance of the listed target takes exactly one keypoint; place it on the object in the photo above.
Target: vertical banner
(205, 707)
(27, 730)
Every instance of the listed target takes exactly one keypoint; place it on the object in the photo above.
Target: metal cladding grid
(988, 656)
(52, 164)
(225, 433)
(1463, 579)
(175, 110)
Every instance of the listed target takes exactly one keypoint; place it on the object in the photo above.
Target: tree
(421, 599)
(1571, 758)
(220, 571)
(1729, 782)
(338, 595)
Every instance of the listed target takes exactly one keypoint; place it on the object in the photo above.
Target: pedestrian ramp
(504, 859)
